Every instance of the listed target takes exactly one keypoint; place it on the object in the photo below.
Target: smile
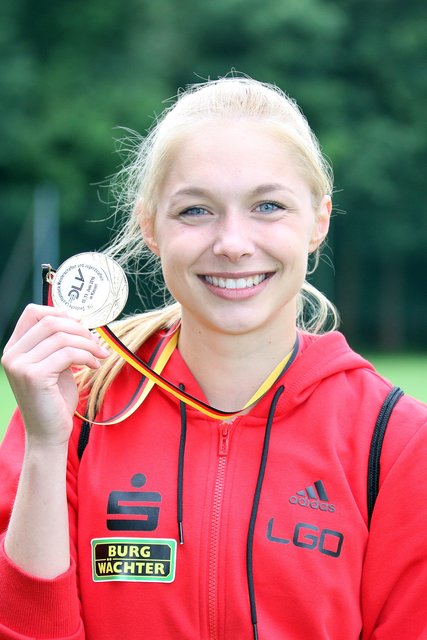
(236, 283)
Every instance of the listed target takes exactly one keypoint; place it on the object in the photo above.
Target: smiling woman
(251, 447)
(239, 229)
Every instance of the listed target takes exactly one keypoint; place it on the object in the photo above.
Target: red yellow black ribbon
(153, 376)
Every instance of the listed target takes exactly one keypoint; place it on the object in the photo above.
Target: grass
(7, 402)
(407, 371)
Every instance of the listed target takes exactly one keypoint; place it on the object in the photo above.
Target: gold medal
(92, 287)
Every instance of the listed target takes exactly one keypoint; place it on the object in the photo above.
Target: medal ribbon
(163, 354)
(153, 376)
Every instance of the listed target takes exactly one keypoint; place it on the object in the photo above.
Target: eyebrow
(273, 186)
(258, 191)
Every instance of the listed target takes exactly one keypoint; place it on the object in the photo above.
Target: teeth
(236, 283)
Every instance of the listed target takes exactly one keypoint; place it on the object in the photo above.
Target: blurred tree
(74, 71)
(358, 69)
(78, 87)
(380, 162)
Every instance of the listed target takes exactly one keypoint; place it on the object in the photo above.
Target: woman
(266, 494)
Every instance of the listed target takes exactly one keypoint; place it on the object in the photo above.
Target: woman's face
(233, 228)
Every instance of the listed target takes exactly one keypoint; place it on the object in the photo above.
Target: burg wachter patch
(133, 559)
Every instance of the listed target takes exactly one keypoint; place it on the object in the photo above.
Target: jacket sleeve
(31, 607)
(394, 586)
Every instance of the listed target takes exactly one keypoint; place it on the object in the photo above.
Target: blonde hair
(138, 183)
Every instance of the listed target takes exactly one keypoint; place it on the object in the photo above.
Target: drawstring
(255, 504)
(183, 409)
(249, 546)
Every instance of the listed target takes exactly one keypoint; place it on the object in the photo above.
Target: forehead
(231, 150)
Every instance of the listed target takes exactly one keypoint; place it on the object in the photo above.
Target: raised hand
(38, 361)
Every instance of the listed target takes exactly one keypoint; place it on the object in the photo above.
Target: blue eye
(268, 207)
(194, 211)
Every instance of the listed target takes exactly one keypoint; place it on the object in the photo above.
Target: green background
(406, 371)
(77, 77)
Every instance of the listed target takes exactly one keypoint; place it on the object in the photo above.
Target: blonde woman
(242, 514)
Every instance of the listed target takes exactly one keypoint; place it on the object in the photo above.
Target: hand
(37, 360)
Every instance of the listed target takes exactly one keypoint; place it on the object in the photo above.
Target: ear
(321, 224)
(146, 224)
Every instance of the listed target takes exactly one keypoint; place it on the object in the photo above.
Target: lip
(255, 283)
(235, 274)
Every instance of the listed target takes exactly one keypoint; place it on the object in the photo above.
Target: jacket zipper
(223, 446)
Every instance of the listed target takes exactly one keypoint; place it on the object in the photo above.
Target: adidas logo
(313, 497)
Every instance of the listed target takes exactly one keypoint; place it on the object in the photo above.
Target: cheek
(174, 260)
(183, 244)
(291, 244)
(171, 278)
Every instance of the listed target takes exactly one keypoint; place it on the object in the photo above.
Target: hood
(319, 358)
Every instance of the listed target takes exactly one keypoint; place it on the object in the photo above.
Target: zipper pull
(224, 438)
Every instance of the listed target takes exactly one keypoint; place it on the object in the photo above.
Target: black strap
(376, 444)
(83, 439)
(45, 285)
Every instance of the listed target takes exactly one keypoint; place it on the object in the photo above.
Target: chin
(236, 327)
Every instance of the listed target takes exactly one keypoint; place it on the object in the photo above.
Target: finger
(17, 363)
(31, 315)
(60, 361)
(64, 340)
(42, 374)
(45, 327)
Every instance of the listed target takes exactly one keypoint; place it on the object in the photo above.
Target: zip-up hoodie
(272, 508)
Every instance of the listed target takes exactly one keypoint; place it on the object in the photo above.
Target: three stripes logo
(313, 497)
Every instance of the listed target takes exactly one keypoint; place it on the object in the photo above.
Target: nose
(234, 237)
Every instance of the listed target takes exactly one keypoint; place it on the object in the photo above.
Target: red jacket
(288, 522)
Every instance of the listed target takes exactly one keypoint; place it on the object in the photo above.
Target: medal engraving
(92, 287)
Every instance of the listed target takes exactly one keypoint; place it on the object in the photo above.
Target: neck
(231, 368)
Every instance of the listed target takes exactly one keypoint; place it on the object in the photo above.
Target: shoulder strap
(376, 444)
(83, 439)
